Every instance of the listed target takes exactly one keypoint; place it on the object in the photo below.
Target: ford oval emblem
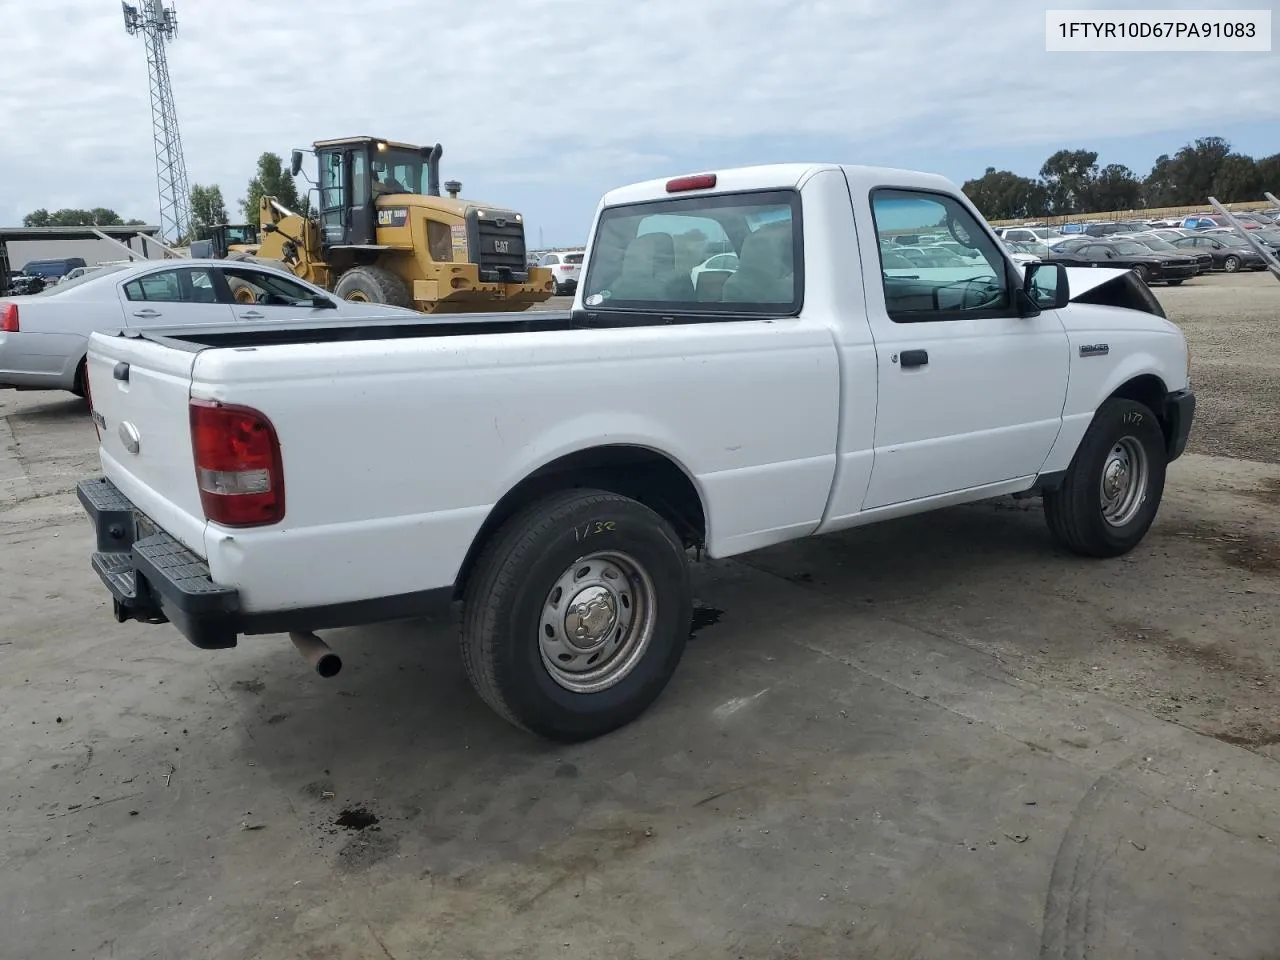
(130, 437)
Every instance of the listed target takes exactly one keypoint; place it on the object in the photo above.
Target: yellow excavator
(382, 233)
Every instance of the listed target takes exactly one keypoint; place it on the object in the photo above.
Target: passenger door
(970, 393)
(275, 297)
(178, 296)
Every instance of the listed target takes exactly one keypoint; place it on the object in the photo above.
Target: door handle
(914, 358)
(147, 313)
(252, 315)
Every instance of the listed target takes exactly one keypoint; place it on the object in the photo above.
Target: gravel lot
(937, 737)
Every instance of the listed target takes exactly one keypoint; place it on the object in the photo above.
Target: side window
(933, 288)
(190, 285)
(550, 260)
(266, 288)
(359, 178)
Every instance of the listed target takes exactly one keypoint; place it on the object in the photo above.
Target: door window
(359, 178)
(190, 285)
(938, 285)
(268, 289)
(333, 197)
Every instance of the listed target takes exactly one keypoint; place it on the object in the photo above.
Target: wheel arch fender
(626, 462)
(1140, 376)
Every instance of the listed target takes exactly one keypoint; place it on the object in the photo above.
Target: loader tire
(241, 292)
(373, 285)
(576, 614)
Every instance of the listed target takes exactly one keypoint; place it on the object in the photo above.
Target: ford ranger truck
(748, 361)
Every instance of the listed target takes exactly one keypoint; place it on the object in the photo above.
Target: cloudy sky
(543, 104)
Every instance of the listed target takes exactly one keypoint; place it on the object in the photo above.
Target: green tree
(1160, 187)
(67, 217)
(1068, 177)
(207, 206)
(271, 180)
(1114, 188)
(1196, 165)
(1237, 179)
(1269, 174)
(1003, 195)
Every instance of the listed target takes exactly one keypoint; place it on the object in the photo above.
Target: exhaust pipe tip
(329, 665)
(317, 653)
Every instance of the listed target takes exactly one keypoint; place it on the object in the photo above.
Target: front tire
(1113, 486)
(576, 614)
(1231, 264)
(373, 285)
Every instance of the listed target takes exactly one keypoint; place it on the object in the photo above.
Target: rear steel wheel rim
(597, 621)
(1122, 489)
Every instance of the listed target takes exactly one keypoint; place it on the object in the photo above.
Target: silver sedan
(44, 336)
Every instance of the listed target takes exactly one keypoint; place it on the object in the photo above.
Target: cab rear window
(669, 255)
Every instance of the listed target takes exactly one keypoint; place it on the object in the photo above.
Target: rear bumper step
(153, 578)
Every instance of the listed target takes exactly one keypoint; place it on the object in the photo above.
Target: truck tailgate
(139, 392)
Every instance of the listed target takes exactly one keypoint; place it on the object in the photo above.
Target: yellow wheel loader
(382, 233)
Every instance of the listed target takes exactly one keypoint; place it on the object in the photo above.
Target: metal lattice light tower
(158, 25)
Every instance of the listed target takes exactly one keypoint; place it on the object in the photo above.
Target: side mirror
(1044, 286)
(323, 303)
(269, 228)
(295, 163)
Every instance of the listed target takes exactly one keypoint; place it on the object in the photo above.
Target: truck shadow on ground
(401, 722)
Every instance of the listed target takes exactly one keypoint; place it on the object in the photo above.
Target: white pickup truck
(553, 471)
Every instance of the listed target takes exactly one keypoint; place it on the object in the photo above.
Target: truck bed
(379, 328)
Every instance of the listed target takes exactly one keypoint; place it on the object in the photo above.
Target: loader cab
(355, 171)
(223, 238)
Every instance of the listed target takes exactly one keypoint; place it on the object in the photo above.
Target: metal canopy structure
(117, 233)
(158, 25)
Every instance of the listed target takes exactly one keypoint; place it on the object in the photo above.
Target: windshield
(1130, 248)
(1155, 243)
(402, 171)
(647, 255)
(242, 234)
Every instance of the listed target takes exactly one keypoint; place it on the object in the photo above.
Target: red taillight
(9, 318)
(238, 466)
(701, 181)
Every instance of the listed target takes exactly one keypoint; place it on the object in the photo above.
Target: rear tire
(1113, 486)
(79, 386)
(1174, 283)
(576, 614)
(373, 285)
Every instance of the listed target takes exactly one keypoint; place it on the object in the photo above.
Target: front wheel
(1141, 273)
(576, 614)
(1113, 486)
(1231, 264)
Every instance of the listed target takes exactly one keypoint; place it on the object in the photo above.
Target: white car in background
(566, 269)
(726, 263)
(44, 336)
